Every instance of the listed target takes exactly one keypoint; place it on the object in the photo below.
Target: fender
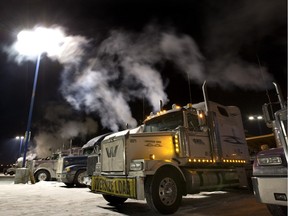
(155, 165)
(76, 167)
(151, 167)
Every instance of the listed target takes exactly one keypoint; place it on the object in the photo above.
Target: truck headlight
(136, 165)
(67, 169)
(269, 160)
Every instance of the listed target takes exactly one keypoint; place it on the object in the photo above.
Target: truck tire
(277, 210)
(79, 177)
(163, 191)
(114, 200)
(42, 175)
(69, 184)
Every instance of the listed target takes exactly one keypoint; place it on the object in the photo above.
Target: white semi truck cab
(270, 167)
(174, 153)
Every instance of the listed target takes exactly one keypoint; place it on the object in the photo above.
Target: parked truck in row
(270, 167)
(175, 152)
(71, 170)
(93, 158)
(44, 169)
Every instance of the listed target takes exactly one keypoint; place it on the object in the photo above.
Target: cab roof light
(175, 107)
(201, 115)
(188, 106)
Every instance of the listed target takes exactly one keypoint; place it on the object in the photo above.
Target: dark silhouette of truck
(270, 166)
(71, 170)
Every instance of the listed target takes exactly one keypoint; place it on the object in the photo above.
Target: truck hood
(271, 152)
(125, 132)
(94, 141)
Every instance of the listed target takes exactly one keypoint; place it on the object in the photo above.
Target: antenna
(161, 105)
(143, 108)
(189, 86)
(71, 146)
(205, 95)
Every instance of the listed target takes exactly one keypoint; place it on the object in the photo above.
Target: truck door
(198, 140)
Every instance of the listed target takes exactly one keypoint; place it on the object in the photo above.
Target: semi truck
(45, 169)
(270, 167)
(71, 170)
(93, 158)
(175, 152)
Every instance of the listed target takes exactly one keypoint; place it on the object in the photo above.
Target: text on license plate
(117, 186)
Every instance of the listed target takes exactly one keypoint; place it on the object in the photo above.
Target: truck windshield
(54, 156)
(87, 151)
(166, 122)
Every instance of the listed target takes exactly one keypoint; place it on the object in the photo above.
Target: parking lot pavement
(54, 198)
(6, 179)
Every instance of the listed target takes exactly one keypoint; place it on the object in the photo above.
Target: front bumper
(129, 187)
(87, 181)
(270, 190)
(65, 177)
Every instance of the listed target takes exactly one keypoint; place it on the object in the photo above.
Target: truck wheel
(114, 200)
(69, 184)
(277, 210)
(163, 191)
(79, 177)
(42, 175)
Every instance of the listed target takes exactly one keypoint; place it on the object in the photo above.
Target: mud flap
(244, 175)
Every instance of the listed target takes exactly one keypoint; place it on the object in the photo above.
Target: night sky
(129, 55)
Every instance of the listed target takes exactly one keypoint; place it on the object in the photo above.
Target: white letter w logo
(111, 152)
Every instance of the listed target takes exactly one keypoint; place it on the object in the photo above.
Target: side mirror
(268, 115)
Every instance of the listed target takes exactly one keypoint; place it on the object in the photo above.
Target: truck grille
(91, 163)
(113, 155)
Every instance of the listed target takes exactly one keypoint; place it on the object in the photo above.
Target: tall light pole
(257, 118)
(21, 141)
(27, 134)
(33, 43)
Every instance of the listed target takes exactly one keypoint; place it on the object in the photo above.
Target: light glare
(39, 40)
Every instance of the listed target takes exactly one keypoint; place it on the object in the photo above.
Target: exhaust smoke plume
(56, 130)
(124, 67)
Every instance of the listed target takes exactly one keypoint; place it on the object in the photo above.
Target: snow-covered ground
(54, 198)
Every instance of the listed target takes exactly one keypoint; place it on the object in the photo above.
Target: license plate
(124, 187)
